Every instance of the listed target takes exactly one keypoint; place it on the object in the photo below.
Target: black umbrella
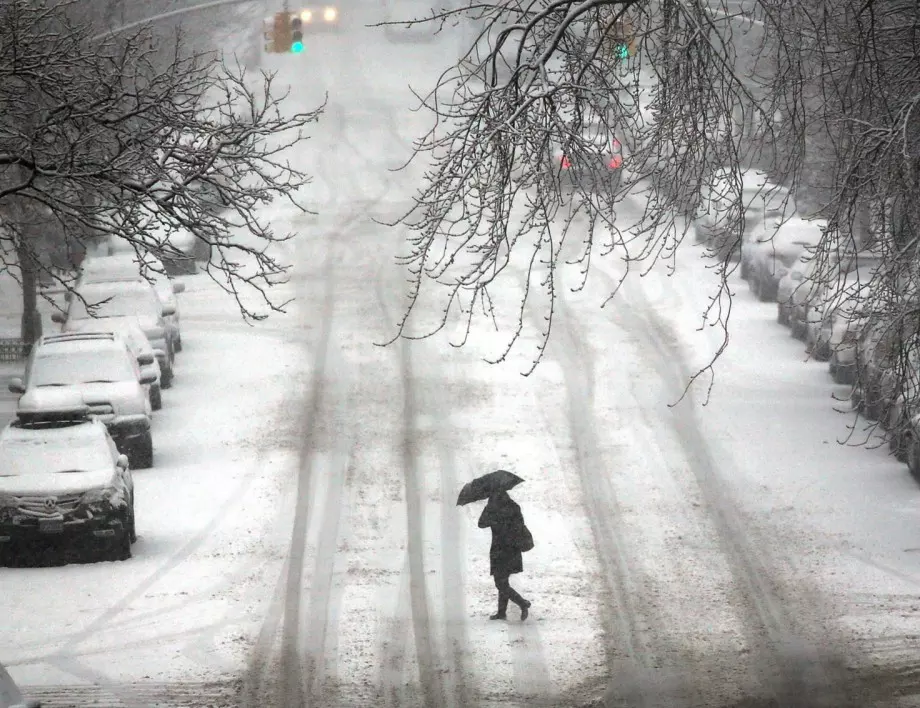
(484, 487)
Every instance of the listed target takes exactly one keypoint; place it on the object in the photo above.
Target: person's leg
(501, 582)
(515, 597)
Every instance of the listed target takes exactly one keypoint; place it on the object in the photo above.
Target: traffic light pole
(167, 15)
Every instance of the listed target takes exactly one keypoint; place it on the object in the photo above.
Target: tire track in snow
(296, 677)
(800, 676)
(621, 620)
(432, 666)
(301, 683)
(632, 681)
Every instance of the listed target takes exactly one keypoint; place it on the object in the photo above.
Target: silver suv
(101, 368)
(63, 478)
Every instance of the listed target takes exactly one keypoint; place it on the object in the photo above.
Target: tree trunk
(31, 328)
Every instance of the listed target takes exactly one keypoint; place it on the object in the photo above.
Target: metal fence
(13, 349)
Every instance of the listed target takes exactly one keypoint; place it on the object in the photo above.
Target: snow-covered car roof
(122, 265)
(128, 328)
(115, 299)
(75, 361)
(60, 344)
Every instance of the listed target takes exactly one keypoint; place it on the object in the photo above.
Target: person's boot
(502, 609)
(525, 607)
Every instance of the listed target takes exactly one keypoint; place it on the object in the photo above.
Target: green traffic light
(622, 51)
(297, 47)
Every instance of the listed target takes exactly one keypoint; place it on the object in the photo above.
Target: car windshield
(43, 454)
(76, 367)
(114, 303)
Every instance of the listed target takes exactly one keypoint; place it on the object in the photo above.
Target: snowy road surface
(299, 539)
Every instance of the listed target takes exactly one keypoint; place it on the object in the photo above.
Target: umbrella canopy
(484, 487)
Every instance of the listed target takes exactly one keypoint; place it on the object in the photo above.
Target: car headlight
(102, 501)
(306, 16)
(330, 14)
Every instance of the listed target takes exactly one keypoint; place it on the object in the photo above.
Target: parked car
(761, 200)
(132, 301)
(841, 296)
(785, 290)
(177, 249)
(902, 414)
(10, 694)
(100, 368)
(877, 352)
(63, 477)
(126, 266)
(770, 259)
(139, 345)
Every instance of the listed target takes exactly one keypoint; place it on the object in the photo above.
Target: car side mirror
(16, 386)
(178, 288)
(148, 379)
(145, 359)
(168, 310)
(122, 462)
(57, 317)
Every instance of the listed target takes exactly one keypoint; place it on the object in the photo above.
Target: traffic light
(621, 51)
(282, 40)
(296, 34)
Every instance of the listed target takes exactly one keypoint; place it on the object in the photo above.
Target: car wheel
(120, 549)
(132, 530)
(177, 347)
(900, 446)
(797, 331)
(832, 368)
(156, 397)
(856, 399)
(913, 456)
(781, 316)
(142, 454)
(166, 375)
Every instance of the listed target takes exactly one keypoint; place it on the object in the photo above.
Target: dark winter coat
(503, 515)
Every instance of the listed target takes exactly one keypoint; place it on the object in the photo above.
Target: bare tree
(103, 138)
(540, 77)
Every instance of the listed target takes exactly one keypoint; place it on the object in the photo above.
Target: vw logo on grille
(50, 503)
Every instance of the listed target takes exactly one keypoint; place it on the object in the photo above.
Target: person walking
(509, 538)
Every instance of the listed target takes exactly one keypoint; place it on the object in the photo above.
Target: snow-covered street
(299, 539)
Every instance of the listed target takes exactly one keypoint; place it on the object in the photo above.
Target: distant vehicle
(125, 266)
(10, 694)
(103, 371)
(139, 345)
(594, 159)
(132, 301)
(63, 477)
